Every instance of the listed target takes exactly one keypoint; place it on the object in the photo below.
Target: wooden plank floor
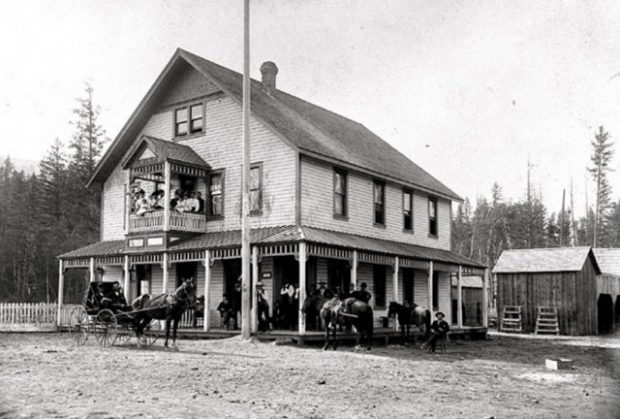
(383, 335)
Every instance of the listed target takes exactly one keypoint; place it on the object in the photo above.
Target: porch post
(459, 298)
(164, 267)
(91, 270)
(167, 196)
(61, 287)
(206, 319)
(430, 287)
(302, 287)
(126, 274)
(485, 298)
(354, 271)
(395, 290)
(254, 303)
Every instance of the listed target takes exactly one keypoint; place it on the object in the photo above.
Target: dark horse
(408, 315)
(347, 312)
(168, 307)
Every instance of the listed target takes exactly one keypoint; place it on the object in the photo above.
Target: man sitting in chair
(226, 311)
(440, 329)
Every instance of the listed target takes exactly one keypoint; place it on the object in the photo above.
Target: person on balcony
(201, 203)
(192, 203)
(174, 202)
(156, 200)
(142, 205)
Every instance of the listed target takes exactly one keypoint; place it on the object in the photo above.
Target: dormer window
(189, 119)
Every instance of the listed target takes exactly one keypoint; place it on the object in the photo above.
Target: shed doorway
(606, 316)
(617, 310)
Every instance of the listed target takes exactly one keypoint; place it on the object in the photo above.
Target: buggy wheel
(151, 331)
(123, 335)
(106, 327)
(78, 326)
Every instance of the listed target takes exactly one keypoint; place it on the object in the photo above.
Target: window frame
(259, 166)
(410, 193)
(379, 297)
(375, 183)
(433, 221)
(209, 202)
(345, 196)
(189, 121)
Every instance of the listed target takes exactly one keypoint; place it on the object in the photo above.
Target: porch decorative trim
(145, 259)
(375, 258)
(76, 263)
(110, 260)
(413, 263)
(230, 253)
(329, 252)
(151, 172)
(188, 170)
(190, 256)
(472, 271)
(445, 267)
(278, 250)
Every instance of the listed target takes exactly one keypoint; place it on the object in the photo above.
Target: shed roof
(563, 259)
(608, 260)
(311, 129)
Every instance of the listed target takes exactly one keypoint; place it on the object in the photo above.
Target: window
(378, 284)
(407, 211)
(216, 194)
(379, 201)
(408, 281)
(256, 188)
(189, 119)
(340, 193)
(432, 216)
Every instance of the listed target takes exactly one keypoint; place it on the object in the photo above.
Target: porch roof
(289, 234)
(104, 248)
(166, 151)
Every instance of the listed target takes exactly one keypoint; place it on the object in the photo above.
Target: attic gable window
(189, 119)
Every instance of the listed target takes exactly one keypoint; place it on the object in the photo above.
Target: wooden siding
(220, 147)
(573, 293)
(608, 284)
(317, 208)
(190, 84)
(112, 273)
(112, 211)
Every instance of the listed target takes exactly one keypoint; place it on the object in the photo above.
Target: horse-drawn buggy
(105, 314)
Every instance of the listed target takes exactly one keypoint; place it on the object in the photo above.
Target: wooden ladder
(511, 319)
(547, 320)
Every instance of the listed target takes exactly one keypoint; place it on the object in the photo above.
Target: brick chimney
(269, 71)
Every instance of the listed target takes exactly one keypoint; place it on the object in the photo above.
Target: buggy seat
(102, 295)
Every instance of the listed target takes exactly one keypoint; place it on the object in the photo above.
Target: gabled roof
(563, 259)
(608, 260)
(165, 151)
(309, 128)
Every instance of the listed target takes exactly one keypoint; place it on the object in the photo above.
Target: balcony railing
(154, 221)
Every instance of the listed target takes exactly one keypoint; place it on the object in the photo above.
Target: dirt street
(45, 376)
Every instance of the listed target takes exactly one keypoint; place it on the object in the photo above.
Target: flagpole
(245, 226)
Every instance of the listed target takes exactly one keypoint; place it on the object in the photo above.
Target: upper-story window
(340, 193)
(432, 216)
(379, 201)
(189, 119)
(256, 188)
(216, 194)
(407, 211)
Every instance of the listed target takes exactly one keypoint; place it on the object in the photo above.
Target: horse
(168, 307)
(347, 312)
(312, 310)
(408, 315)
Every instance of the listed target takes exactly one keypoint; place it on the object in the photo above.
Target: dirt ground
(45, 376)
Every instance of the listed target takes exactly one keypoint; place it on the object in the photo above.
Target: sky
(467, 90)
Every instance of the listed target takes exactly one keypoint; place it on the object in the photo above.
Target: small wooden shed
(608, 283)
(565, 278)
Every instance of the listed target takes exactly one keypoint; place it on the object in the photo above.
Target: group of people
(230, 307)
(183, 201)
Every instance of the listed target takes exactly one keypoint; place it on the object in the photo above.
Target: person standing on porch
(287, 304)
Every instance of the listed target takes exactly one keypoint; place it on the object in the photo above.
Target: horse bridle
(184, 290)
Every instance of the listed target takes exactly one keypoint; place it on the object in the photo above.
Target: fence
(43, 316)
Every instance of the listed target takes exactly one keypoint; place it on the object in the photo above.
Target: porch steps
(547, 320)
(512, 319)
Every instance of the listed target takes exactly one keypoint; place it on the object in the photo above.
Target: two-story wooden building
(331, 201)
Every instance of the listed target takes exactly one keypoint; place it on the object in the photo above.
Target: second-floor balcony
(155, 221)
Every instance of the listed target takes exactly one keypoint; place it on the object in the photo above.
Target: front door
(339, 276)
(186, 270)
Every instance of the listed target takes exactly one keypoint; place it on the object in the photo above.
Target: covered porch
(305, 257)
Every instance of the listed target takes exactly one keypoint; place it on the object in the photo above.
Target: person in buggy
(113, 299)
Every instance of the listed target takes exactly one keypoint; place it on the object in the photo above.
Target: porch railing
(154, 221)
